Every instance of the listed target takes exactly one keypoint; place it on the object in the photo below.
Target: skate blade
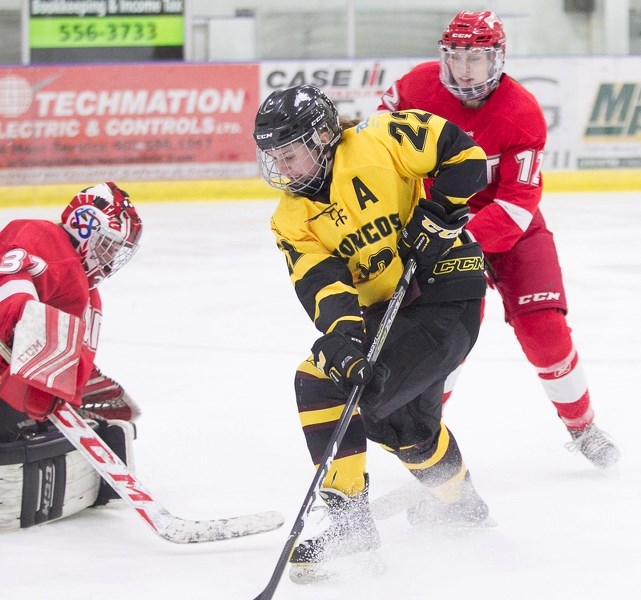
(307, 574)
(369, 564)
(452, 526)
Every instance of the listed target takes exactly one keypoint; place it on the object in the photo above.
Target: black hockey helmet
(286, 115)
(302, 116)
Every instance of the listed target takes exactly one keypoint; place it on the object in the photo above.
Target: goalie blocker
(43, 478)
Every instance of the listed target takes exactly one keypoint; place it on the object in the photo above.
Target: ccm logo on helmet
(461, 35)
(539, 297)
(263, 136)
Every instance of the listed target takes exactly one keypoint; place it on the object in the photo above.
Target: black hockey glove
(431, 231)
(341, 357)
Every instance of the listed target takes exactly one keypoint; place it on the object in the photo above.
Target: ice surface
(204, 330)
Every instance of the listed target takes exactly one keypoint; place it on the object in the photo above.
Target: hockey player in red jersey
(61, 266)
(468, 87)
(57, 267)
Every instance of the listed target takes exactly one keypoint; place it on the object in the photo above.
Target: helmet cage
(281, 173)
(106, 251)
(105, 229)
(495, 58)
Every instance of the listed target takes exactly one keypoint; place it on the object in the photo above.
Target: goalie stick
(127, 485)
(339, 432)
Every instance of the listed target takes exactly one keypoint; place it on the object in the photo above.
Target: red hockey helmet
(105, 229)
(472, 54)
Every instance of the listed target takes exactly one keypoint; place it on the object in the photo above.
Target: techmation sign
(150, 114)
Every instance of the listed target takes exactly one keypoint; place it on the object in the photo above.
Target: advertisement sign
(83, 31)
(354, 85)
(151, 121)
(192, 121)
(592, 105)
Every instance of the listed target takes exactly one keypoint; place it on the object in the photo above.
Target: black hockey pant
(425, 344)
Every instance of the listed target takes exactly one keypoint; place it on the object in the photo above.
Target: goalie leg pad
(43, 478)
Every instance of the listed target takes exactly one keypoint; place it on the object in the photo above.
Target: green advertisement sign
(82, 31)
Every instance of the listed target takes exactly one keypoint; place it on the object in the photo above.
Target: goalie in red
(467, 86)
(50, 313)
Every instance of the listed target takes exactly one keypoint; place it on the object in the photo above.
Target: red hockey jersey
(39, 263)
(510, 127)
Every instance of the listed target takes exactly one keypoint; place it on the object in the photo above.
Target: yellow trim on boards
(598, 180)
(143, 191)
(594, 180)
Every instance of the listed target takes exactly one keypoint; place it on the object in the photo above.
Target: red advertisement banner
(148, 119)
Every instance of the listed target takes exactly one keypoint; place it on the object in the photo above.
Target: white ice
(204, 330)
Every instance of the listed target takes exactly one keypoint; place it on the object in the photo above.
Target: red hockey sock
(547, 343)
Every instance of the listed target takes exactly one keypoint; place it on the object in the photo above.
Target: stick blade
(184, 531)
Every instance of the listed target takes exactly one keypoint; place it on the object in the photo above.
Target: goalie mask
(472, 55)
(296, 131)
(105, 230)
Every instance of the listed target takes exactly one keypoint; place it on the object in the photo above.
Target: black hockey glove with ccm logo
(340, 356)
(431, 231)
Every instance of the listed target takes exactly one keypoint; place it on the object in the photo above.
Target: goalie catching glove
(106, 399)
(431, 231)
(341, 357)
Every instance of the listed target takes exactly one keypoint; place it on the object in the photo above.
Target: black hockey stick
(339, 432)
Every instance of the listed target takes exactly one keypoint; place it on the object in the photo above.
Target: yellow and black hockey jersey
(342, 251)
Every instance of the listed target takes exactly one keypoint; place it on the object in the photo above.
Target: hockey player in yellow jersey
(351, 212)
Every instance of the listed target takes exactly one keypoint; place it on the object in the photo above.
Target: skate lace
(590, 442)
(322, 514)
